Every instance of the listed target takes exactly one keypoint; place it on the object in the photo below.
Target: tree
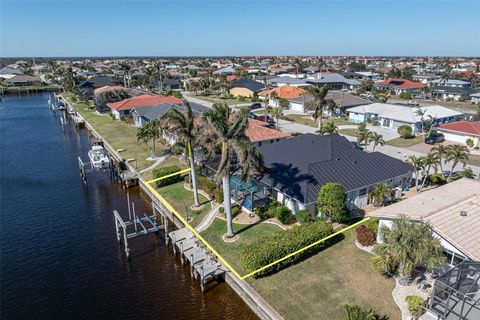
(364, 136)
(276, 114)
(328, 128)
(417, 163)
(182, 125)
(405, 131)
(379, 194)
(440, 151)
(377, 139)
(421, 113)
(457, 154)
(356, 312)
(125, 67)
(366, 85)
(405, 247)
(429, 161)
(332, 201)
(228, 129)
(317, 103)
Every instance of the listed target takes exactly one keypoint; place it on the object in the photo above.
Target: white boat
(98, 158)
(61, 106)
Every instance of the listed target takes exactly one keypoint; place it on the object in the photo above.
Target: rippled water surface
(59, 255)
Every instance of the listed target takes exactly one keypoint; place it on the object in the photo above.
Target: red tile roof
(467, 127)
(405, 84)
(143, 100)
(285, 92)
(257, 131)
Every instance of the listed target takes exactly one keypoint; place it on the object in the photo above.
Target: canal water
(59, 254)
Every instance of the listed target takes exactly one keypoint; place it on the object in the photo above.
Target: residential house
(122, 109)
(402, 85)
(8, 72)
(475, 98)
(260, 134)
(342, 99)
(298, 167)
(88, 87)
(284, 81)
(108, 94)
(22, 80)
(334, 81)
(452, 93)
(245, 88)
(392, 116)
(452, 212)
(453, 83)
(461, 131)
(284, 92)
(225, 70)
(144, 114)
(170, 84)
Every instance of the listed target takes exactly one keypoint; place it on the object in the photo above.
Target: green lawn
(307, 120)
(30, 88)
(474, 160)
(348, 132)
(182, 200)
(401, 142)
(315, 287)
(231, 251)
(119, 134)
(217, 99)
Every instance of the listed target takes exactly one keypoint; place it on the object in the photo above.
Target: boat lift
(87, 167)
(141, 225)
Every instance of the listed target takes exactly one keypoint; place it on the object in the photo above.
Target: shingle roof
(254, 86)
(469, 127)
(326, 77)
(157, 111)
(342, 99)
(301, 165)
(100, 81)
(143, 101)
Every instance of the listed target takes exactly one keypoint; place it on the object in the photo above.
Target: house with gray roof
(297, 168)
(342, 99)
(283, 81)
(334, 81)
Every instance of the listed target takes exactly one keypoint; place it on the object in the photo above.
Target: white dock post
(192, 262)
(128, 203)
(181, 253)
(165, 226)
(116, 229)
(134, 217)
(127, 250)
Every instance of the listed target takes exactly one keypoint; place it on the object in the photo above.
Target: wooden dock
(203, 263)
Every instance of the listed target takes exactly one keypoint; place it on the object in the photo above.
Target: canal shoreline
(246, 292)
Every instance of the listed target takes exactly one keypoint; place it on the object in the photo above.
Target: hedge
(304, 216)
(206, 185)
(266, 250)
(160, 172)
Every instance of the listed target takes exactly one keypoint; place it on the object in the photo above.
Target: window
(362, 192)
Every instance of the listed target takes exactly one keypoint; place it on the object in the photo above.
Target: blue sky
(166, 28)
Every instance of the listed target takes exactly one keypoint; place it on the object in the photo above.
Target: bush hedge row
(160, 172)
(266, 250)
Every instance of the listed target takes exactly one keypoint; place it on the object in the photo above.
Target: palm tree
(377, 139)
(328, 128)
(143, 135)
(356, 312)
(149, 78)
(421, 113)
(125, 67)
(457, 154)
(379, 193)
(276, 114)
(317, 103)
(364, 136)
(429, 161)
(440, 151)
(229, 130)
(417, 163)
(405, 247)
(332, 107)
(159, 72)
(183, 125)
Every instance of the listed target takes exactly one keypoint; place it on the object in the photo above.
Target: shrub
(206, 185)
(272, 208)
(160, 172)
(372, 224)
(365, 236)
(437, 178)
(221, 210)
(304, 216)
(265, 250)
(283, 214)
(178, 148)
(219, 194)
(415, 304)
(332, 201)
(405, 131)
(235, 210)
(469, 143)
(187, 179)
(405, 95)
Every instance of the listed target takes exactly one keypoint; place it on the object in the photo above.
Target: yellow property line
(172, 209)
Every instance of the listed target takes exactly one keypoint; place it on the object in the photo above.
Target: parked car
(435, 138)
(256, 105)
(252, 115)
(265, 118)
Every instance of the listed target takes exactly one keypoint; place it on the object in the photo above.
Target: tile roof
(301, 165)
(469, 127)
(258, 131)
(143, 100)
(441, 208)
(108, 88)
(399, 83)
(285, 92)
